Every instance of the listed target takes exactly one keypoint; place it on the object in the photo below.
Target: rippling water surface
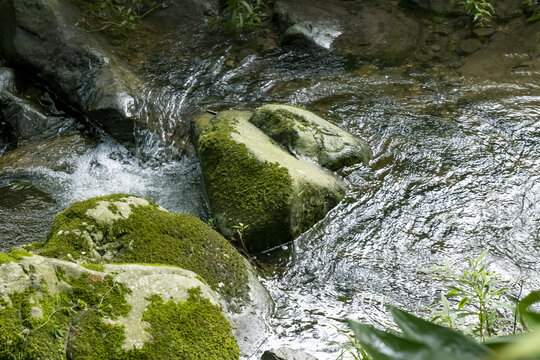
(456, 171)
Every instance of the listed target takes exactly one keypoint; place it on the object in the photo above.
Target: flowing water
(456, 170)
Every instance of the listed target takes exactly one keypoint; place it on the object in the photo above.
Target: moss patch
(244, 189)
(281, 125)
(190, 330)
(13, 256)
(146, 234)
(35, 325)
(81, 322)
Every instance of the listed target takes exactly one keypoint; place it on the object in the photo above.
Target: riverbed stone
(469, 46)
(40, 34)
(123, 228)
(309, 136)
(363, 30)
(251, 180)
(443, 7)
(56, 154)
(285, 353)
(111, 311)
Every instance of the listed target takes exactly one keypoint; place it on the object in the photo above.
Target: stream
(456, 170)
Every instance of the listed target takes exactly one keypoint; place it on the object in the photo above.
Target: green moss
(313, 203)
(23, 336)
(104, 294)
(95, 339)
(149, 236)
(79, 324)
(280, 125)
(194, 329)
(60, 273)
(13, 256)
(93, 267)
(245, 189)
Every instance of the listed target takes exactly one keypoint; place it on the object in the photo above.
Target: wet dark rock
(286, 354)
(508, 53)
(508, 9)
(29, 121)
(469, 46)
(483, 32)
(364, 31)
(25, 215)
(40, 34)
(436, 6)
(55, 154)
(7, 79)
(182, 10)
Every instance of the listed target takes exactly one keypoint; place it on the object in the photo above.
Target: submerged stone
(306, 135)
(251, 180)
(56, 154)
(63, 310)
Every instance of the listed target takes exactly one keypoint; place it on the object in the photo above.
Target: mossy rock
(54, 309)
(251, 180)
(127, 229)
(309, 136)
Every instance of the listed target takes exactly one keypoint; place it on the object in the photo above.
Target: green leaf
(527, 316)
(384, 346)
(463, 302)
(534, 17)
(437, 337)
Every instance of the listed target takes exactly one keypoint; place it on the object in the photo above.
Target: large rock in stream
(365, 30)
(127, 229)
(54, 309)
(40, 35)
(29, 120)
(251, 180)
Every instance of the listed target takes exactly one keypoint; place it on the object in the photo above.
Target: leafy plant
(477, 294)
(212, 223)
(117, 16)
(531, 7)
(237, 16)
(481, 10)
(240, 228)
(424, 340)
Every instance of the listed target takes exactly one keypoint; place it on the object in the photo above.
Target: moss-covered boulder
(127, 229)
(251, 180)
(309, 136)
(54, 309)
